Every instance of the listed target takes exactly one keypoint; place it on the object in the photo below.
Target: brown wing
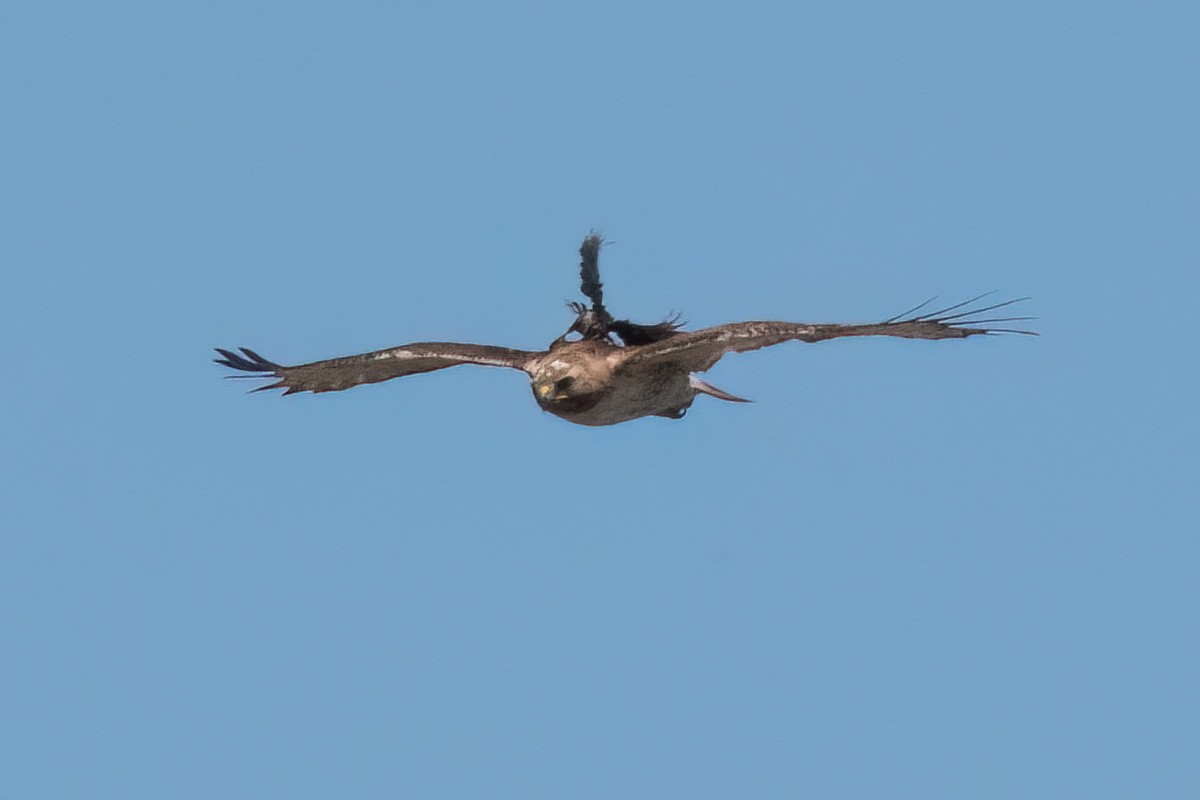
(698, 350)
(336, 374)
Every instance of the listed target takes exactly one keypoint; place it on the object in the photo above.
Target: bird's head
(562, 386)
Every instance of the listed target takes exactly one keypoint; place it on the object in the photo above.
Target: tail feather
(707, 388)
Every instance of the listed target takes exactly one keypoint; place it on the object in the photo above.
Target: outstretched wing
(336, 374)
(698, 350)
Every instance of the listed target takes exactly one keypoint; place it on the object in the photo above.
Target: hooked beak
(543, 390)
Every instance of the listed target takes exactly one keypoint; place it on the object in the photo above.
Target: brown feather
(699, 350)
(336, 374)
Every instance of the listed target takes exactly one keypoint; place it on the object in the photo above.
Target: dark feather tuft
(253, 362)
(633, 334)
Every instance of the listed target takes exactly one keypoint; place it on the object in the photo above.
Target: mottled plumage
(615, 370)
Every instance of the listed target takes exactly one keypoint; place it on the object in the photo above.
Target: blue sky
(910, 569)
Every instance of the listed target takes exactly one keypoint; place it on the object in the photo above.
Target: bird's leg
(588, 324)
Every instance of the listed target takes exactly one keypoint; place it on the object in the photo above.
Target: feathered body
(583, 382)
(615, 370)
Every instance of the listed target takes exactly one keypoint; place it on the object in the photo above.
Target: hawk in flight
(605, 370)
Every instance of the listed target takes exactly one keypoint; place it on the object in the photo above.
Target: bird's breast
(571, 404)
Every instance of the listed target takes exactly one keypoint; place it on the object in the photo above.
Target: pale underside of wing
(699, 350)
(336, 374)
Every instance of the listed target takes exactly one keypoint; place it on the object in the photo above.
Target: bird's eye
(562, 384)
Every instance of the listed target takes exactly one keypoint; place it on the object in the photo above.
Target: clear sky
(909, 570)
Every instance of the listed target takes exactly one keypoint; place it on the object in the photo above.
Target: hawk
(603, 370)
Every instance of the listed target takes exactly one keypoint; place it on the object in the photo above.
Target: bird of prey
(605, 370)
